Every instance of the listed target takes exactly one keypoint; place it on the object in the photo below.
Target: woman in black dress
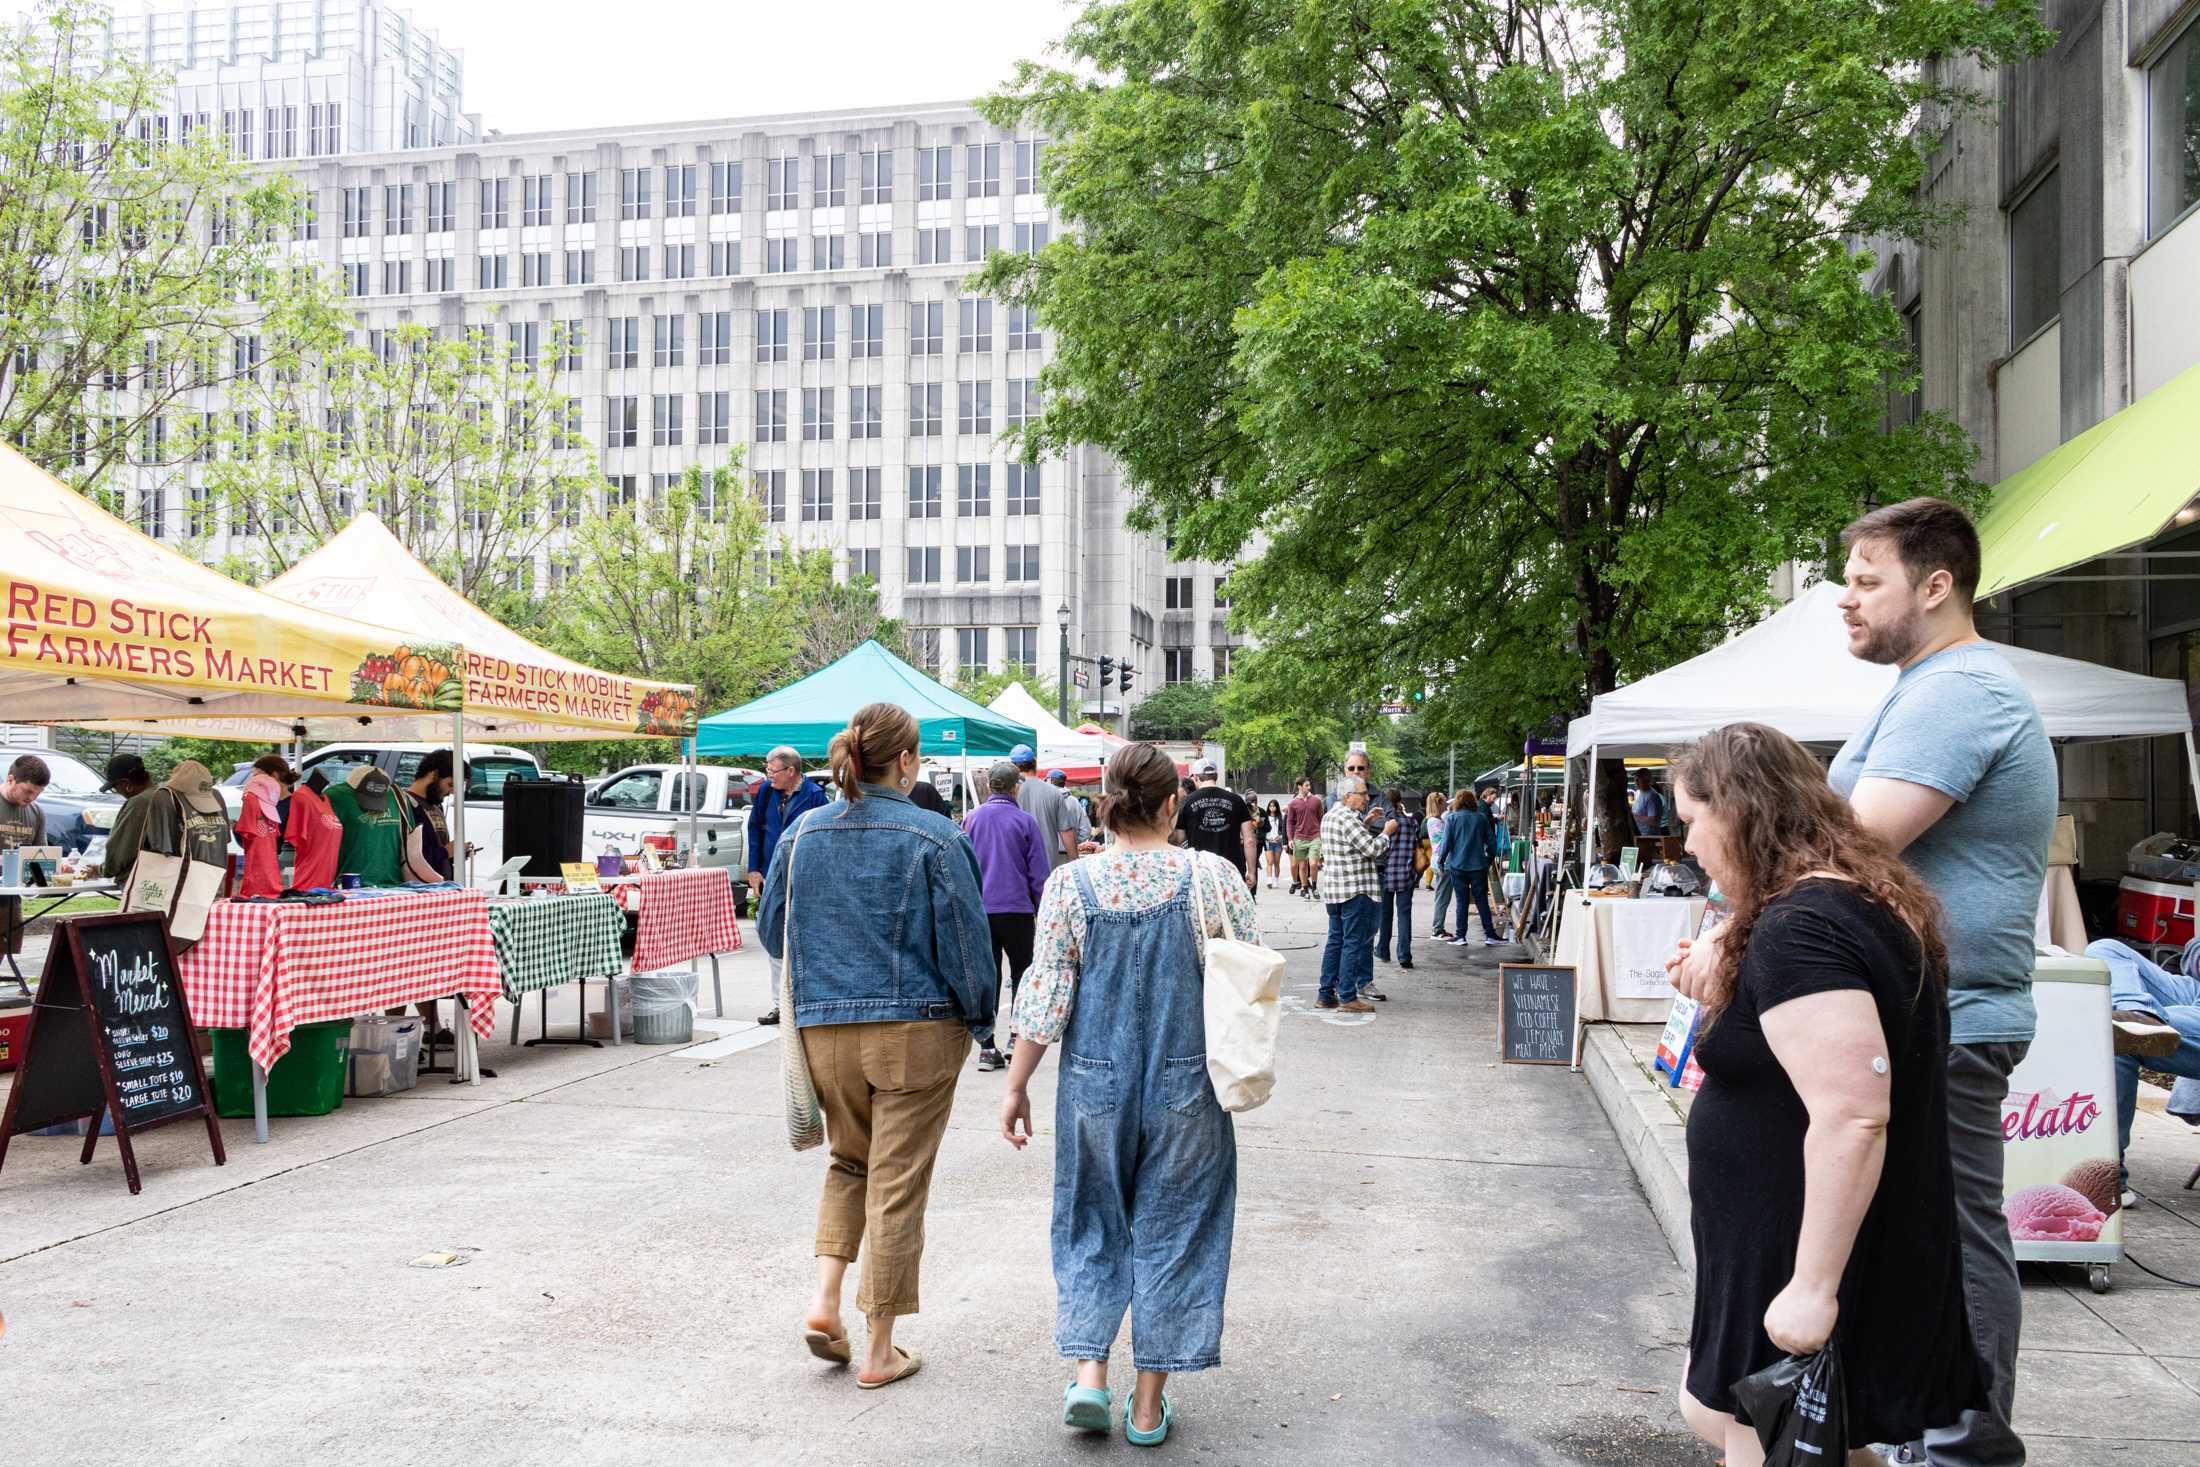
(1818, 1174)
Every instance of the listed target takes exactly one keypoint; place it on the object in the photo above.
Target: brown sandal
(825, 1347)
(911, 1363)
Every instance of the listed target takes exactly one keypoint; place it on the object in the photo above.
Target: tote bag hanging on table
(805, 1120)
(1243, 1001)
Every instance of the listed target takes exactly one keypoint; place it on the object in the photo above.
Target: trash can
(664, 1007)
(307, 1081)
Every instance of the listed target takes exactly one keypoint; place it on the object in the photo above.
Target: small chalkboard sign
(1535, 1014)
(110, 1034)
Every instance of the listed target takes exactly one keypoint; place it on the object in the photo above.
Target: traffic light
(1107, 672)
(1125, 681)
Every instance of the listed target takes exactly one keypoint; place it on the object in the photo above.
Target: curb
(1650, 1131)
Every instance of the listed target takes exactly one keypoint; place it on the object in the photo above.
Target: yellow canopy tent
(105, 623)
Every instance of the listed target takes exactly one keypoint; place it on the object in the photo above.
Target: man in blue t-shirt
(1954, 771)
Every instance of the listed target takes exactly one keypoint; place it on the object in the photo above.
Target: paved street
(1438, 1260)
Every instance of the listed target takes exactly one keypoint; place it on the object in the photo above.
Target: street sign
(1394, 709)
(1079, 677)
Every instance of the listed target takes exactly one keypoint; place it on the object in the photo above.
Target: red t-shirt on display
(315, 834)
(1304, 816)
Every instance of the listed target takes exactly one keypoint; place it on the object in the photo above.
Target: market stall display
(1617, 947)
(267, 967)
(2062, 1190)
(54, 899)
(553, 938)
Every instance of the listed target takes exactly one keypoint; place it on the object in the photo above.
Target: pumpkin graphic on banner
(411, 677)
(665, 711)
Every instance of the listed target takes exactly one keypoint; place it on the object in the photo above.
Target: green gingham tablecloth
(543, 941)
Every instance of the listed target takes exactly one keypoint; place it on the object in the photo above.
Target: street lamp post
(1061, 618)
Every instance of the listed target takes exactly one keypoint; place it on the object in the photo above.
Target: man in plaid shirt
(1399, 878)
(1351, 886)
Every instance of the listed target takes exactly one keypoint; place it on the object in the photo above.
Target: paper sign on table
(1677, 1045)
(579, 875)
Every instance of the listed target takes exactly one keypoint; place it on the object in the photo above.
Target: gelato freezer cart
(2061, 1185)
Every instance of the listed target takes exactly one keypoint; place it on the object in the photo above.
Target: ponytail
(875, 737)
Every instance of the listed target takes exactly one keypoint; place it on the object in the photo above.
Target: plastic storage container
(599, 1022)
(664, 1007)
(307, 1081)
(385, 1056)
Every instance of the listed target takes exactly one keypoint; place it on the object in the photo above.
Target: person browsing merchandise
(127, 777)
(1047, 804)
(1012, 876)
(1218, 821)
(785, 793)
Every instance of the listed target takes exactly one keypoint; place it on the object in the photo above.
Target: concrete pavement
(1439, 1259)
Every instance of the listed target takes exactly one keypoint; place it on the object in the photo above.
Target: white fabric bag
(805, 1120)
(1243, 999)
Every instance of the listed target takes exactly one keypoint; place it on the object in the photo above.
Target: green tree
(1179, 711)
(132, 264)
(1527, 334)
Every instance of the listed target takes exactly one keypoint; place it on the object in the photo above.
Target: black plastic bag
(1800, 1409)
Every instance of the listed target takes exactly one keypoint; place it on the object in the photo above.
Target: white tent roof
(1793, 671)
(1060, 746)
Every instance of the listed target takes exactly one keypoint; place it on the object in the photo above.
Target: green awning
(2117, 484)
(804, 715)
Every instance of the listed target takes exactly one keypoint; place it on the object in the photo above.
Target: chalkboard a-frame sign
(110, 1034)
(1535, 1014)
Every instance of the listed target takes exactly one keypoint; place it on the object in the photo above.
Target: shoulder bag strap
(1199, 904)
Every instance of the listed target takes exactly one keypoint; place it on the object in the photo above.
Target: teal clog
(1152, 1438)
(1086, 1407)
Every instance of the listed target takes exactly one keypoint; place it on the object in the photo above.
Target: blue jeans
(1348, 957)
(2149, 988)
(1145, 1159)
(1395, 904)
(1463, 885)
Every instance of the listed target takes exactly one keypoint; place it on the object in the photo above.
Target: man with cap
(1212, 818)
(373, 848)
(1012, 875)
(1060, 780)
(127, 777)
(1046, 804)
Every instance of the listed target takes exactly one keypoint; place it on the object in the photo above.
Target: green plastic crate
(307, 1081)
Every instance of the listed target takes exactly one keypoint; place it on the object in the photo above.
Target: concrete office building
(793, 285)
(2068, 300)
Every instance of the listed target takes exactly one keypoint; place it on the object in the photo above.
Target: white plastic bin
(385, 1055)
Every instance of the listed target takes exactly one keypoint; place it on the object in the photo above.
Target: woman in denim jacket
(1145, 1160)
(873, 904)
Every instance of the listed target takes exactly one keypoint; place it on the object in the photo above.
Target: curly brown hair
(1787, 823)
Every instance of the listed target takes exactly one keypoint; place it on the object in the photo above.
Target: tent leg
(468, 1058)
(1589, 823)
(694, 803)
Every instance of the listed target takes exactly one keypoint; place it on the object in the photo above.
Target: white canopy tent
(1078, 754)
(1793, 671)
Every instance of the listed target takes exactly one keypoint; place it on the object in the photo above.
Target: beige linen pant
(886, 1090)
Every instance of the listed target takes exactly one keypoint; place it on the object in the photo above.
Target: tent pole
(1589, 825)
(469, 1061)
(694, 803)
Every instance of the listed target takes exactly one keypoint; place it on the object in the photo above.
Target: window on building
(866, 418)
(817, 333)
(829, 181)
(580, 198)
(875, 251)
(397, 208)
(713, 418)
(1023, 401)
(1176, 664)
(679, 262)
(934, 246)
(324, 128)
(828, 252)
(817, 495)
(1023, 489)
(309, 217)
(397, 277)
(935, 173)
(1177, 593)
(980, 241)
(1908, 406)
(625, 336)
(534, 268)
(973, 490)
(771, 416)
(817, 414)
(878, 177)
(1221, 657)
(974, 324)
(863, 563)
(442, 207)
(282, 132)
(924, 566)
(680, 190)
(2173, 132)
(970, 652)
(1021, 649)
(779, 256)
(714, 338)
(927, 328)
(924, 410)
(534, 200)
(570, 340)
(973, 564)
(1023, 329)
(622, 422)
(866, 500)
(771, 335)
(973, 407)
(619, 491)
(493, 272)
(442, 275)
(237, 131)
(667, 341)
(866, 331)
(2035, 259)
(1027, 166)
(771, 491)
(634, 193)
(496, 203)
(924, 491)
(358, 212)
(580, 267)
(1023, 563)
(781, 182)
(523, 340)
(1031, 238)
(725, 188)
(985, 172)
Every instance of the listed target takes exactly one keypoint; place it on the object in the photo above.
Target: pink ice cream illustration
(2053, 1213)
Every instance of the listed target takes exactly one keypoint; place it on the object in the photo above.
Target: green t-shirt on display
(373, 840)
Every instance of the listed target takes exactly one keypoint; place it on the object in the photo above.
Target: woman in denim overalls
(1145, 1161)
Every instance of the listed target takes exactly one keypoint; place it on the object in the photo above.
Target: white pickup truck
(643, 799)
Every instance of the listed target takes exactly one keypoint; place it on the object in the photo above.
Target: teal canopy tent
(805, 715)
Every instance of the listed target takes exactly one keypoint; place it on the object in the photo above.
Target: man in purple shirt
(1012, 873)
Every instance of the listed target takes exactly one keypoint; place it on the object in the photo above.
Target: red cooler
(2150, 913)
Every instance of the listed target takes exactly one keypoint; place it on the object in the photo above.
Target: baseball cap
(372, 787)
(122, 767)
(1022, 756)
(1205, 766)
(1056, 776)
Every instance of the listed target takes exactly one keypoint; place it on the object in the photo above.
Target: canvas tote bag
(1243, 1000)
(805, 1121)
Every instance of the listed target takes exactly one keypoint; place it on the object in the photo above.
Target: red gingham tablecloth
(683, 914)
(268, 967)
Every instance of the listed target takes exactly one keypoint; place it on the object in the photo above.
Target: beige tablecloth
(1585, 945)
